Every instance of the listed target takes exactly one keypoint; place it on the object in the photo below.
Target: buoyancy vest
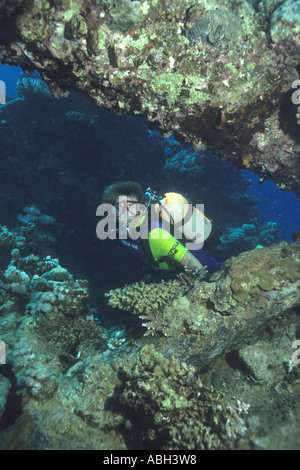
(134, 247)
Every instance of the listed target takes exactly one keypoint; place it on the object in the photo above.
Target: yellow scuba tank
(189, 221)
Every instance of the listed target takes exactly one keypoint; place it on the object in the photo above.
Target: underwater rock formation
(216, 316)
(69, 383)
(184, 65)
(177, 410)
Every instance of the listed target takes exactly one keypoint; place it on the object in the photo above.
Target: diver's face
(127, 208)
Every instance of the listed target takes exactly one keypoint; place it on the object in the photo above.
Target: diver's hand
(195, 271)
(192, 275)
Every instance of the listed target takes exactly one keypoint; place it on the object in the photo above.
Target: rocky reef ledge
(215, 366)
(220, 76)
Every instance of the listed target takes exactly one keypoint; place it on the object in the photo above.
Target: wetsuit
(161, 250)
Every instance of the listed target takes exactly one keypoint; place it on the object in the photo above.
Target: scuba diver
(153, 236)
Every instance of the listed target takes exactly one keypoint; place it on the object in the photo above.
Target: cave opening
(59, 155)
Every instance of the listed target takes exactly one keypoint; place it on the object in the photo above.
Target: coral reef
(212, 383)
(215, 368)
(177, 411)
(216, 315)
(184, 65)
(30, 87)
(44, 289)
(284, 22)
(212, 27)
(247, 237)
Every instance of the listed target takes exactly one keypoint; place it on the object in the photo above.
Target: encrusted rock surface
(218, 75)
(212, 383)
(216, 316)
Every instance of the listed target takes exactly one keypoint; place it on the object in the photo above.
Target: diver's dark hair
(128, 188)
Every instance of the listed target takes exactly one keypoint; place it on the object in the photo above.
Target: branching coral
(155, 322)
(148, 301)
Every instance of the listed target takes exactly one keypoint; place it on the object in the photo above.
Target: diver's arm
(190, 260)
(164, 245)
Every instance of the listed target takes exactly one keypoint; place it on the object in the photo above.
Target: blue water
(274, 205)
(10, 76)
